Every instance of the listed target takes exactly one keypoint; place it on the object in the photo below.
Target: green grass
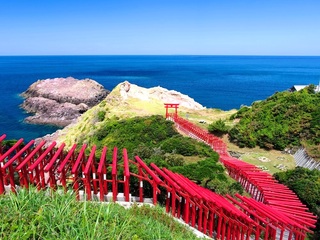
(252, 155)
(273, 165)
(38, 215)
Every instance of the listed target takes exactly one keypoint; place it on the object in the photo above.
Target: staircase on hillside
(303, 160)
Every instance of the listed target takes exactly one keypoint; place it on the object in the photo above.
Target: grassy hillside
(154, 139)
(114, 108)
(38, 215)
(139, 126)
(283, 120)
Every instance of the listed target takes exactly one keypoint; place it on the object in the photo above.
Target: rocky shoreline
(60, 101)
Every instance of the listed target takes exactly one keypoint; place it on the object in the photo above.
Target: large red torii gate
(174, 106)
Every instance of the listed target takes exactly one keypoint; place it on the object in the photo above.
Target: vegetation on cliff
(122, 105)
(154, 139)
(283, 120)
(124, 120)
(306, 184)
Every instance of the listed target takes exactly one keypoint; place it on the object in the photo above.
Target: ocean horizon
(223, 82)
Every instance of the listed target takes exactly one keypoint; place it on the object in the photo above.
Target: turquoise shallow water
(223, 82)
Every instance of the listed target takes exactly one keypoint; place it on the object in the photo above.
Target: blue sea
(224, 82)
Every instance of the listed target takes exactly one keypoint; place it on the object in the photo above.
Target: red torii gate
(171, 105)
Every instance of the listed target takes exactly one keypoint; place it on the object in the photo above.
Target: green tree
(202, 172)
(218, 128)
(179, 145)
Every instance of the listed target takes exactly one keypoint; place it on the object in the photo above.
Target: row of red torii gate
(273, 211)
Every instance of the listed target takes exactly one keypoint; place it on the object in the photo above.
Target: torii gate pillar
(171, 105)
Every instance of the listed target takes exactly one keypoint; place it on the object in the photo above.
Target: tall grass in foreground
(37, 215)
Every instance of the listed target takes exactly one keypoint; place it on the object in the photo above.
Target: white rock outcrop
(128, 90)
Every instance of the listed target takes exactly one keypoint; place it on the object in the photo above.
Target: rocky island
(60, 101)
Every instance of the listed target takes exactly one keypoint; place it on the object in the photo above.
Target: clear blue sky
(214, 27)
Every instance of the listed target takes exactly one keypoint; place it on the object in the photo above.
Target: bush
(174, 160)
(179, 145)
(218, 128)
(101, 115)
(202, 172)
(133, 133)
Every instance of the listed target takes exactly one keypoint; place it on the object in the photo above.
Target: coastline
(219, 82)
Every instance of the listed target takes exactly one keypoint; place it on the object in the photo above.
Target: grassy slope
(252, 155)
(37, 215)
(115, 107)
(255, 155)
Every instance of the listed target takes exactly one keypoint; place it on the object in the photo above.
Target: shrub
(101, 115)
(180, 145)
(202, 172)
(218, 128)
